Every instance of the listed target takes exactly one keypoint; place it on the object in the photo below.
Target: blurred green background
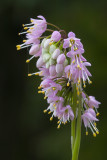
(25, 132)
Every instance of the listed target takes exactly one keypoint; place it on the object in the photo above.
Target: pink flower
(92, 102)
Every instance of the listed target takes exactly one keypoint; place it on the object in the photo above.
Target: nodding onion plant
(64, 76)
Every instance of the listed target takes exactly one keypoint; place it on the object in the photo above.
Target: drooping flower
(89, 119)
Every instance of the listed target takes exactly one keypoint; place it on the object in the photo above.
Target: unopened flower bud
(56, 53)
(52, 70)
(46, 43)
(61, 59)
(56, 36)
(34, 49)
(39, 62)
(59, 68)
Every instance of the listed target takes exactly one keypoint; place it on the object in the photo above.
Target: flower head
(63, 71)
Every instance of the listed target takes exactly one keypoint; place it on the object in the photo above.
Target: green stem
(74, 120)
(53, 26)
(78, 131)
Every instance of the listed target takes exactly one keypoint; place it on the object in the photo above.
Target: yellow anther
(72, 41)
(24, 40)
(23, 25)
(98, 114)
(79, 81)
(78, 93)
(45, 111)
(51, 118)
(28, 31)
(45, 97)
(18, 34)
(95, 124)
(78, 66)
(41, 92)
(29, 74)
(58, 122)
(68, 84)
(31, 20)
(54, 88)
(58, 126)
(90, 82)
(84, 86)
(75, 48)
(77, 102)
(27, 61)
(81, 61)
(18, 46)
(70, 45)
(86, 133)
(25, 28)
(36, 74)
(55, 107)
(97, 132)
(66, 122)
(54, 104)
(73, 61)
(62, 122)
(49, 112)
(50, 43)
(94, 134)
(39, 87)
(31, 28)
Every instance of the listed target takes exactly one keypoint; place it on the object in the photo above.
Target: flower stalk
(77, 141)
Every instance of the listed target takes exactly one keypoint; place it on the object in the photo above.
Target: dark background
(25, 132)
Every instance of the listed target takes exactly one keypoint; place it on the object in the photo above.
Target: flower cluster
(64, 72)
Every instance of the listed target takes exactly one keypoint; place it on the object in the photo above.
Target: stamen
(68, 74)
(97, 114)
(86, 133)
(49, 112)
(50, 43)
(45, 97)
(54, 104)
(27, 24)
(45, 111)
(75, 48)
(41, 92)
(51, 118)
(73, 61)
(94, 134)
(77, 102)
(28, 60)
(31, 74)
(24, 40)
(25, 28)
(72, 41)
(58, 126)
(90, 82)
(68, 84)
(58, 122)
(39, 87)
